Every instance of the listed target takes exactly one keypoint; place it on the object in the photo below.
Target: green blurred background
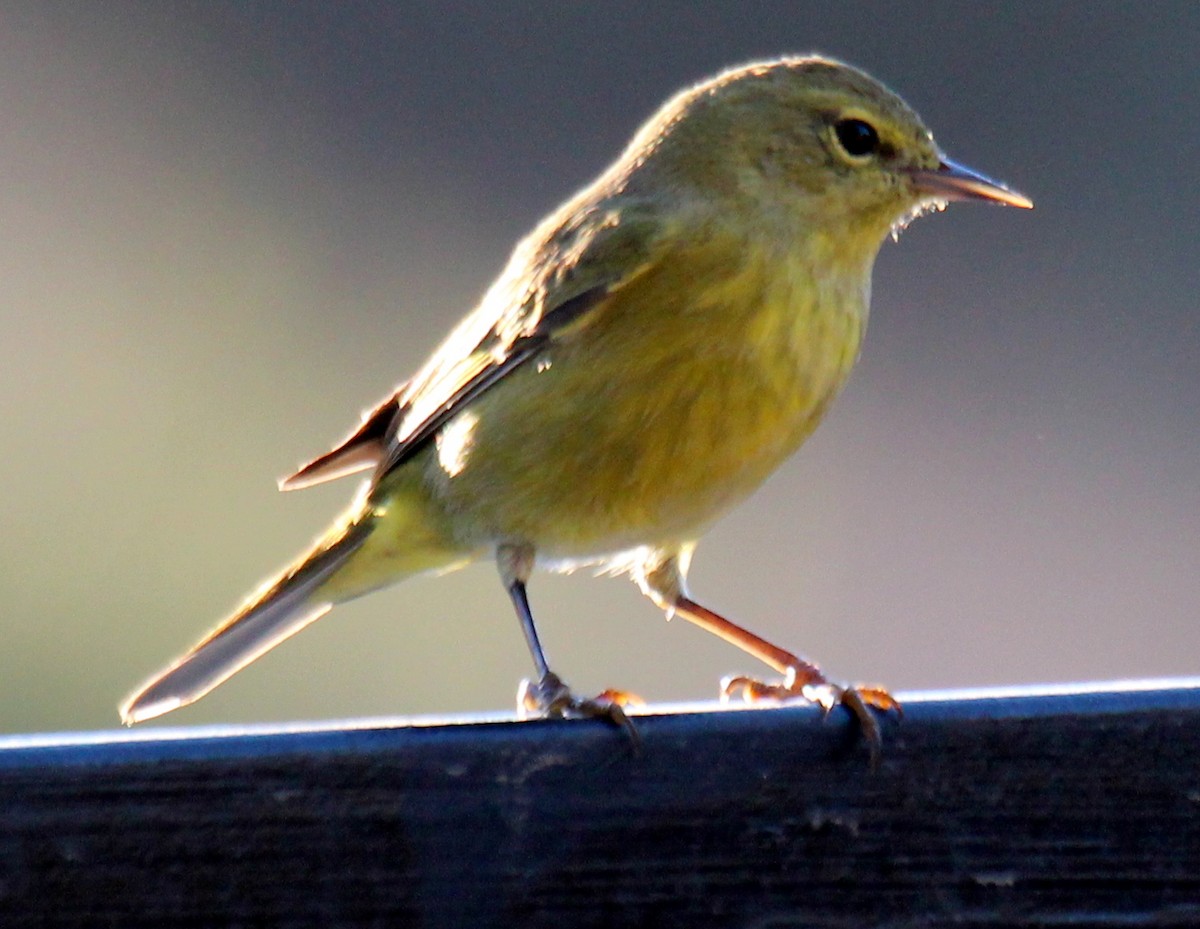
(228, 227)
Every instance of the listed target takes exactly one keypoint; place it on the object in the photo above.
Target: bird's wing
(360, 450)
(579, 264)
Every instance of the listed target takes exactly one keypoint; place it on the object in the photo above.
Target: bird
(652, 351)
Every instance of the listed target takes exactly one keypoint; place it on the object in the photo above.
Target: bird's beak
(950, 181)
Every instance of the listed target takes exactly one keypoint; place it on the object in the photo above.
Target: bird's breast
(677, 403)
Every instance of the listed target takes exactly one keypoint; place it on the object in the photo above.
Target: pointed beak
(950, 181)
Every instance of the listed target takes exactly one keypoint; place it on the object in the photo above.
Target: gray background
(229, 227)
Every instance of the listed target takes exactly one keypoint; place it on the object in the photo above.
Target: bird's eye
(858, 138)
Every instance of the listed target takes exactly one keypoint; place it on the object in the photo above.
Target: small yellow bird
(652, 352)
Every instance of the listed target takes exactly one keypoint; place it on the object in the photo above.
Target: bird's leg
(549, 696)
(801, 678)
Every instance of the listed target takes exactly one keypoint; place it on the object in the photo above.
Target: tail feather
(284, 608)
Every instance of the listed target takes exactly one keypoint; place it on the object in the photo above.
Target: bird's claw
(809, 684)
(550, 698)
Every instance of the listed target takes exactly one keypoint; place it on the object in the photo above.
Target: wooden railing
(1073, 808)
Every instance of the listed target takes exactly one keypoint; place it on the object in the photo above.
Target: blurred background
(229, 227)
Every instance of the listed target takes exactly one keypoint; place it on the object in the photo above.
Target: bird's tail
(277, 610)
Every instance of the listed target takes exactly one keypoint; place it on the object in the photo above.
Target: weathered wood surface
(1021, 810)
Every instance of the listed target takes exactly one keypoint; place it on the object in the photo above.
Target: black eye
(857, 138)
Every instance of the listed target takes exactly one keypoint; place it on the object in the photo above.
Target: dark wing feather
(522, 350)
(359, 451)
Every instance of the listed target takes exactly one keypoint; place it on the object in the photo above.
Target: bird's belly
(660, 453)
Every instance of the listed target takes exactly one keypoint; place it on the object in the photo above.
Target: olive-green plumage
(652, 352)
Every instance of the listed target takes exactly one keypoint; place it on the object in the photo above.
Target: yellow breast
(660, 415)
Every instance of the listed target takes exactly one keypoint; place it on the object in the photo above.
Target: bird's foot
(550, 698)
(806, 682)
